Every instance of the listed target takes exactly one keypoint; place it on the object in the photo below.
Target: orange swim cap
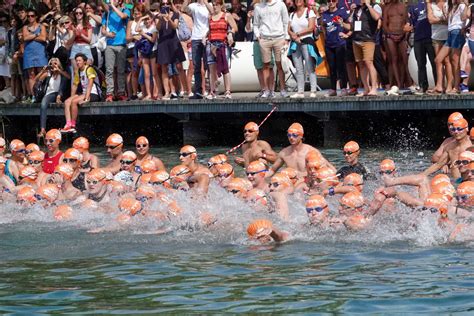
(81, 143)
(454, 117)
(225, 170)
(353, 199)
(145, 178)
(316, 201)
(351, 146)
(446, 189)
(142, 140)
(63, 213)
(257, 195)
(65, 170)
(129, 155)
(17, 145)
(28, 172)
(49, 192)
(159, 177)
(36, 155)
(130, 206)
(259, 227)
(314, 160)
(471, 133)
(467, 187)
(26, 194)
(217, 160)
(387, 165)
(73, 153)
(354, 179)
(438, 201)
(118, 187)
(462, 123)
(251, 126)
(148, 166)
(180, 173)
(291, 174)
(280, 179)
(97, 175)
(145, 191)
(296, 128)
(238, 184)
(54, 134)
(32, 147)
(327, 175)
(114, 140)
(256, 166)
(440, 178)
(466, 155)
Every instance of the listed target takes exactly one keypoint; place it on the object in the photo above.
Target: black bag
(39, 89)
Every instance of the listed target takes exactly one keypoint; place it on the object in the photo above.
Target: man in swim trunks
(253, 148)
(143, 153)
(53, 155)
(114, 144)
(294, 155)
(351, 154)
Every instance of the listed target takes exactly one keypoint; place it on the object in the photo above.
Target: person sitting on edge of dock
(351, 153)
(254, 148)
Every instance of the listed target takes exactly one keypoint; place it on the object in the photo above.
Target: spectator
(34, 56)
(364, 26)
(95, 21)
(379, 59)
(114, 24)
(59, 37)
(86, 78)
(240, 18)
(187, 73)
(200, 15)
(218, 48)
(270, 27)
(302, 47)
(4, 66)
(11, 48)
(132, 37)
(56, 81)
(81, 38)
(147, 30)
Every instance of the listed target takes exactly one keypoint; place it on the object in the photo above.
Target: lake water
(402, 264)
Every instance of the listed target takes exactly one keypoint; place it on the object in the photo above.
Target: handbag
(40, 87)
(184, 33)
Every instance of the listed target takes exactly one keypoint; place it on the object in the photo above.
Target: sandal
(434, 92)
(453, 92)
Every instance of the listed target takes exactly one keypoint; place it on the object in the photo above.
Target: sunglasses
(79, 13)
(234, 191)
(248, 131)
(274, 184)
(317, 209)
(159, 182)
(21, 151)
(49, 140)
(256, 172)
(112, 147)
(462, 162)
(348, 153)
(127, 162)
(34, 162)
(210, 164)
(141, 146)
(386, 171)
(186, 154)
(456, 129)
(93, 182)
(38, 197)
(31, 15)
(69, 160)
(142, 199)
(292, 135)
(431, 209)
(462, 198)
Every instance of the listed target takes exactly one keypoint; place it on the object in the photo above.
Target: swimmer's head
(354, 180)
(142, 145)
(440, 178)
(160, 178)
(216, 160)
(446, 189)
(130, 206)
(280, 183)
(114, 144)
(291, 173)
(317, 208)
(257, 196)
(187, 154)
(31, 148)
(238, 187)
(256, 170)
(81, 144)
(148, 166)
(28, 174)
(295, 133)
(251, 131)
(465, 193)
(36, 158)
(63, 213)
(26, 196)
(65, 171)
(95, 179)
(350, 202)
(17, 148)
(464, 159)
(313, 162)
(454, 117)
(73, 157)
(53, 138)
(260, 230)
(145, 193)
(471, 134)
(459, 129)
(224, 173)
(436, 202)
(387, 167)
(47, 192)
(118, 188)
(326, 177)
(351, 152)
(128, 160)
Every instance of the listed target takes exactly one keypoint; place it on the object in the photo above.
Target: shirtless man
(294, 155)
(256, 174)
(62, 177)
(263, 231)
(253, 148)
(114, 146)
(395, 18)
(188, 157)
(437, 154)
(318, 213)
(35, 160)
(53, 155)
(143, 153)
(451, 153)
(97, 189)
(182, 178)
(18, 159)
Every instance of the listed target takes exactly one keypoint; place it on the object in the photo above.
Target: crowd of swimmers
(132, 183)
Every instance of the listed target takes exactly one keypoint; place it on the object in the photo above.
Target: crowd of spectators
(74, 52)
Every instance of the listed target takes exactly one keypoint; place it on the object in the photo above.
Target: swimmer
(462, 163)
(352, 207)
(294, 155)
(224, 174)
(73, 157)
(26, 196)
(280, 187)
(145, 170)
(214, 161)
(62, 178)
(318, 213)
(258, 199)
(255, 171)
(3, 145)
(188, 157)
(53, 155)
(129, 207)
(89, 161)
(351, 155)
(6, 183)
(28, 177)
(31, 148)
(438, 153)
(263, 231)
(239, 187)
(18, 159)
(469, 174)
(47, 194)
(313, 162)
(451, 152)
(114, 144)
(160, 180)
(292, 175)
(253, 148)
(182, 178)
(352, 182)
(143, 153)
(63, 213)
(127, 164)
(97, 188)
(36, 159)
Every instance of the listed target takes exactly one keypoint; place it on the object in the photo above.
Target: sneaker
(33, 99)
(312, 95)
(68, 129)
(211, 96)
(272, 94)
(196, 96)
(174, 96)
(463, 88)
(227, 95)
(284, 94)
(259, 95)
(133, 98)
(122, 97)
(109, 98)
(165, 98)
(414, 89)
(344, 93)
(266, 94)
(464, 74)
(331, 93)
(352, 91)
(140, 95)
(297, 96)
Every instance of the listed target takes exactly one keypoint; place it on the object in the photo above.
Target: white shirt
(299, 24)
(200, 16)
(53, 84)
(133, 32)
(439, 32)
(454, 20)
(85, 83)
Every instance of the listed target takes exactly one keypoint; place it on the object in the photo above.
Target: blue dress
(35, 53)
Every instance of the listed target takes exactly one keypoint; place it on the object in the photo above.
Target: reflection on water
(50, 267)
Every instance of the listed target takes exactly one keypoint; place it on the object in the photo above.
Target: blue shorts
(455, 39)
(82, 49)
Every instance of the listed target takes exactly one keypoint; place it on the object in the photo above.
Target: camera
(165, 10)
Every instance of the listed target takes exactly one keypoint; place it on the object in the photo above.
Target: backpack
(184, 33)
(99, 82)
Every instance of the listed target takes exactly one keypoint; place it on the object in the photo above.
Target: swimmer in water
(98, 189)
(143, 153)
(127, 165)
(114, 144)
(62, 178)
(294, 155)
(224, 174)
(31, 148)
(89, 161)
(18, 158)
(318, 213)
(256, 175)
(47, 194)
(254, 148)
(188, 158)
(280, 187)
(239, 187)
(73, 157)
(183, 179)
(352, 207)
(35, 159)
(26, 196)
(259, 200)
(28, 177)
(6, 183)
(53, 155)
(462, 163)
(351, 153)
(439, 152)
(263, 231)
(215, 161)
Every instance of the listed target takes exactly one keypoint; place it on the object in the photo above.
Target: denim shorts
(81, 48)
(455, 39)
(211, 59)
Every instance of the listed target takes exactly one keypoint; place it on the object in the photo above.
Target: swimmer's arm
(281, 204)
(202, 182)
(14, 171)
(408, 199)
(343, 189)
(159, 164)
(412, 180)
(7, 183)
(439, 152)
(95, 163)
(240, 161)
(438, 165)
(267, 152)
(277, 165)
(379, 198)
(279, 236)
